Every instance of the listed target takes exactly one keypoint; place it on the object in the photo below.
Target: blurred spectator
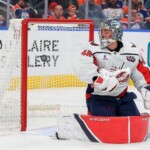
(142, 12)
(112, 4)
(147, 4)
(136, 22)
(138, 5)
(51, 8)
(147, 25)
(21, 10)
(58, 13)
(65, 4)
(38, 5)
(95, 12)
(147, 20)
(13, 2)
(81, 2)
(32, 13)
(135, 3)
(2, 21)
(112, 10)
(72, 12)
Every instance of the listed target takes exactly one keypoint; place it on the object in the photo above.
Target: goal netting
(37, 76)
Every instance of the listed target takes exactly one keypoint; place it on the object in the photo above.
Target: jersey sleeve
(141, 74)
(87, 68)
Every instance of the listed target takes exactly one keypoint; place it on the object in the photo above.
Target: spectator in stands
(147, 20)
(2, 19)
(65, 4)
(147, 25)
(147, 5)
(21, 10)
(95, 12)
(58, 13)
(98, 2)
(142, 12)
(72, 12)
(105, 4)
(113, 10)
(51, 8)
(136, 22)
(135, 3)
(38, 5)
(112, 4)
(13, 2)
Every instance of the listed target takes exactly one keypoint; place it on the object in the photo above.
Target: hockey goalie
(113, 116)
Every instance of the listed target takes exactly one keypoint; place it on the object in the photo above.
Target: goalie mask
(116, 35)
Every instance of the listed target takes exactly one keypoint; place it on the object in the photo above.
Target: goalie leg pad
(69, 128)
(104, 129)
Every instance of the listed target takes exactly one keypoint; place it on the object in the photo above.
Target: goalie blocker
(117, 130)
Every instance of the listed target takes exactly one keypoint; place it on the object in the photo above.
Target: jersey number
(87, 53)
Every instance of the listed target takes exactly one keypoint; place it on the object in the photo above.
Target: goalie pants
(111, 106)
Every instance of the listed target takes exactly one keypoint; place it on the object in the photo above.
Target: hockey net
(37, 76)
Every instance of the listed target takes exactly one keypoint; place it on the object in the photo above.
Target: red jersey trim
(145, 72)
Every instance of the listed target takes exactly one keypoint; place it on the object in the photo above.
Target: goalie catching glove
(105, 82)
(145, 91)
(108, 81)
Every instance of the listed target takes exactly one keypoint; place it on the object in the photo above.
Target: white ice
(39, 136)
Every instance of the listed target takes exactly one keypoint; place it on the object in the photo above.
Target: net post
(24, 53)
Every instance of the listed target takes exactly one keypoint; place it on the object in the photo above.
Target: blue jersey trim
(85, 129)
(3, 28)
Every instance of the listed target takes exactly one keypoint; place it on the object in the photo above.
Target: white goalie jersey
(92, 59)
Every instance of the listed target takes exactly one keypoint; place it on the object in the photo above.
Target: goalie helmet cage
(24, 47)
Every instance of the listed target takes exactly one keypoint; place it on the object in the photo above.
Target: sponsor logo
(100, 119)
(60, 28)
(105, 58)
(43, 53)
(145, 119)
(131, 58)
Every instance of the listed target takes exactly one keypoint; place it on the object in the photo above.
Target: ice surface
(40, 136)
